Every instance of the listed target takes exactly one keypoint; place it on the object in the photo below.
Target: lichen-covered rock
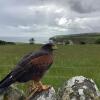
(79, 88)
(12, 93)
(45, 95)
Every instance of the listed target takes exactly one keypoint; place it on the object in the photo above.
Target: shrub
(97, 41)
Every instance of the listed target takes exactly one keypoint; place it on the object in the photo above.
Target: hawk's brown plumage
(31, 67)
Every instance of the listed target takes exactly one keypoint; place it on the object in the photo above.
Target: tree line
(2, 42)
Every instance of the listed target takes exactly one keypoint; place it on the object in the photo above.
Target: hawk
(31, 67)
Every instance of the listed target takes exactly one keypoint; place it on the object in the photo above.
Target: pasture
(69, 61)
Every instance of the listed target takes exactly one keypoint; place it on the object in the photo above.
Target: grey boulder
(45, 95)
(79, 88)
(12, 93)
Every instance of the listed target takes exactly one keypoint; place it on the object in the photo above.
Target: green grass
(69, 61)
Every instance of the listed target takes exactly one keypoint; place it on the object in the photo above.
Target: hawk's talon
(32, 93)
(38, 90)
(42, 88)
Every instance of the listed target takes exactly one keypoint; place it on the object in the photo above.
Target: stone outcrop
(12, 93)
(45, 95)
(79, 88)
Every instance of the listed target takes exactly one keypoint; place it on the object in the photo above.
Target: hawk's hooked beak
(54, 47)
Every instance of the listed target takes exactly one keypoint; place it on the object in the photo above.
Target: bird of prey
(31, 67)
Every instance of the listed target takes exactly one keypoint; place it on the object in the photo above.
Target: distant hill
(4, 43)
(83, 38)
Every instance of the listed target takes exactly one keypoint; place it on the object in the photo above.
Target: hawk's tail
(6, 82)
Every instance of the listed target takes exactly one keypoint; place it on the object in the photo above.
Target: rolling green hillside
(87, 38)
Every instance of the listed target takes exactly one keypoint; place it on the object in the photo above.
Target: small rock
(45, 95)
(79, 88)
(12, 93)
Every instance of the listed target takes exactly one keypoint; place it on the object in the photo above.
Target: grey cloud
(84, 6)
(81, 6)
(24, 16)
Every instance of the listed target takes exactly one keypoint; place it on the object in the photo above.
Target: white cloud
(79, 24)
(24, 27)
(62, 21)
(46, 8)
(60, 10)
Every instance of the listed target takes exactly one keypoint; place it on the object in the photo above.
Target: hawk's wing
(32, 63)
(31, 56)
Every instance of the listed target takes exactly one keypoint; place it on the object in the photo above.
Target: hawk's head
(49, 46)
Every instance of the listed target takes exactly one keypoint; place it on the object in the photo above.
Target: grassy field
(69, 61)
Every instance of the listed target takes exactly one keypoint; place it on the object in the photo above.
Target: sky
(41, 19)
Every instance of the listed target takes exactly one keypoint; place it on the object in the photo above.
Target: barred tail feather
(6, 82)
